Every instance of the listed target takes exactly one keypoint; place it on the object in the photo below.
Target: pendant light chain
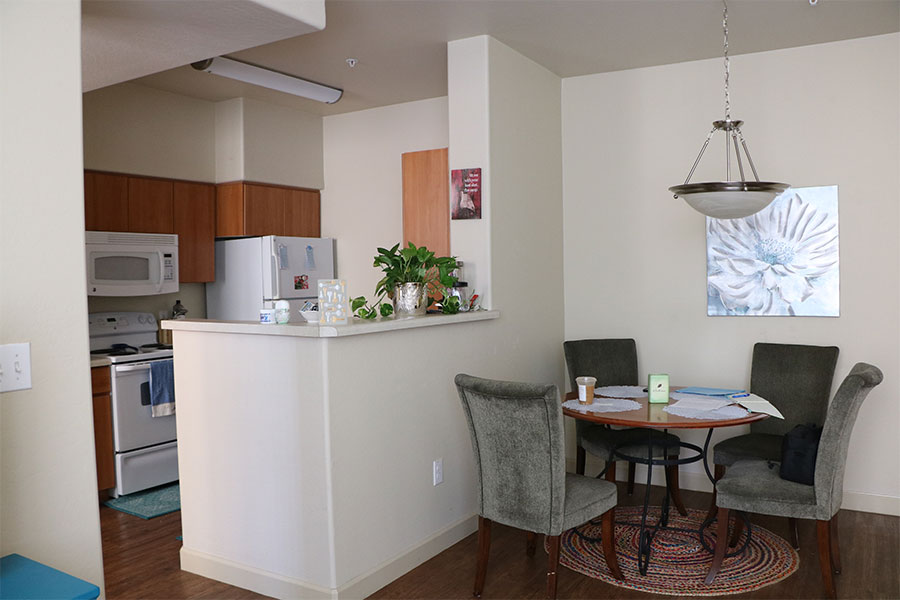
(727, 63)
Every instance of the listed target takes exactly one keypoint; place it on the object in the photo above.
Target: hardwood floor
(870, 552)
(141, 561)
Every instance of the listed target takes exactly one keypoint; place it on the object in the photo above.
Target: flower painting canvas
(782, 261)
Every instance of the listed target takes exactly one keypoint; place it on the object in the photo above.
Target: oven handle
(130, 368)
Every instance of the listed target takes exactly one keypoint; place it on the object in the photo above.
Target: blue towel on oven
(162, 388)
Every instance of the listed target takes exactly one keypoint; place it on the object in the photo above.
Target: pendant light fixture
(728, 199)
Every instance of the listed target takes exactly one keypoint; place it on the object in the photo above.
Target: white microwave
(131, 264)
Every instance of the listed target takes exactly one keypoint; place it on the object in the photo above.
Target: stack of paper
(754, 403)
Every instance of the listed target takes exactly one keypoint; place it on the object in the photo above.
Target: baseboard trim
(280, 586)
(368, 583)
(691, 480)
(250, 578)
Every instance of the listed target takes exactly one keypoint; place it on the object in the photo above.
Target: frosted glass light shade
(731, 199)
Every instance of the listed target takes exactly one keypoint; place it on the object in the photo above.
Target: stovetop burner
(151, 347)
(117, 350)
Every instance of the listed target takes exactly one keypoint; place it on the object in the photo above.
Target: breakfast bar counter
(306, 452)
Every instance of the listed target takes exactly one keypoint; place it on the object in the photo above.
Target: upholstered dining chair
(520, 463)
(754, 485)
(614, 362)
(797, 380)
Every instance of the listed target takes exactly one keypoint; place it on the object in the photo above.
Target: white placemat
(621, 391)
(602, 405)
(731, 411)
(697, 401)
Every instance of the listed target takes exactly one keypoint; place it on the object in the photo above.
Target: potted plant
(410, 273)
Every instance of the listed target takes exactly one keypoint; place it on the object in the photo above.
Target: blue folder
(705, 391)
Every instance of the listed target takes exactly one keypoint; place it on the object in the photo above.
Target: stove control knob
(150, 320)
(141, 319)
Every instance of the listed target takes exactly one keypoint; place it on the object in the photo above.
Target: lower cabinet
(101, 390)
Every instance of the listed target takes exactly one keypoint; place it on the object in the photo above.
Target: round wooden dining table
(653, 416)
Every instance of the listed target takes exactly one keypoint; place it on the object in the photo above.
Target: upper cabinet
(244, 209)
(114, 202)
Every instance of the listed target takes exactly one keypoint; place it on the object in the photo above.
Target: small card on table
(658, 388)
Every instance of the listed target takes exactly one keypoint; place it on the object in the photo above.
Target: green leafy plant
(408, 265)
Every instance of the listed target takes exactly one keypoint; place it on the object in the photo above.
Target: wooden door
(194, 207)
(103, 435)
(426, 200)
(105, 202)
(302, 213)
(150, 208)
(263, 209)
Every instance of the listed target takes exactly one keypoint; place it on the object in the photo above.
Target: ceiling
(401, 45)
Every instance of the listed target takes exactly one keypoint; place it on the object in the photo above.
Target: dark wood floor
(141, 561)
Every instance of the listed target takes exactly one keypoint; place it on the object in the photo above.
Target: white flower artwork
(782, 261)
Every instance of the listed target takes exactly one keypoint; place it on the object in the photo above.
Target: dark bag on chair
(798, 453)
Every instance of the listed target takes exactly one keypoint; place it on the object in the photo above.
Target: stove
(146, 453)
(125, 337)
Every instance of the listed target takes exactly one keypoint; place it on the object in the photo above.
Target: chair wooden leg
(792, 533)
(823, 535)
(611, 471)
(552, 564)
(721, 545)
(484, 549)
(835, 551)
(718, 474)
(674, 488)
(608, 539)
(630, 487)
(530, 542)
(580, 459)
(738, 530)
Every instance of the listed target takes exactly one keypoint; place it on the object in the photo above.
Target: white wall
(362, 203)
(400, 405)
(131, 128)
(635, 257)
(48, 497)
(282, 145)
(468, 69)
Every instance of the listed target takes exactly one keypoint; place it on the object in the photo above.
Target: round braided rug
(678, 563)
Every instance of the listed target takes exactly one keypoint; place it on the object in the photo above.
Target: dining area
(776, 474)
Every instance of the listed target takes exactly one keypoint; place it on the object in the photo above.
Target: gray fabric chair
(797, 380)
(520, 465)
(614, 362)
(754, 485)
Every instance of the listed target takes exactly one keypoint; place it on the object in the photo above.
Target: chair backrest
(796, 379)
(519, 444)
(832, 455)
(611, 361)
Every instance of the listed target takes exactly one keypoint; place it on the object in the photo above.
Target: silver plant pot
(409, 299)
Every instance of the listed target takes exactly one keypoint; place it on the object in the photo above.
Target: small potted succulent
(412, 277)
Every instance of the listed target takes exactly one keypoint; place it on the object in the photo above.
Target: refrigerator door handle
(276, 280)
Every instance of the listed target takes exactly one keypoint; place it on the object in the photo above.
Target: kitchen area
(293, 438)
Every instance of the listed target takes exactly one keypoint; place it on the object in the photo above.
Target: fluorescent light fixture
(267, 78)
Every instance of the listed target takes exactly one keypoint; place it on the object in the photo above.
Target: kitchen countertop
(314, 330)
(100, 361)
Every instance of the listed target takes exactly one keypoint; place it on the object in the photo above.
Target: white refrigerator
(252, 273)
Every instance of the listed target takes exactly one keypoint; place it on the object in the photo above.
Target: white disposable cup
(267, 316)
(586, 389)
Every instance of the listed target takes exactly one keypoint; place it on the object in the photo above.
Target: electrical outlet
(15, 367)
(438, 471)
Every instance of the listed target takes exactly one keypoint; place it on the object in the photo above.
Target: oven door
(131, 272)
(133, 425)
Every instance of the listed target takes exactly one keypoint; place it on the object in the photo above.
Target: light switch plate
(15, 367)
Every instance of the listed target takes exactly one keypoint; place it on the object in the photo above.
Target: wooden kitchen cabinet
(118, 202)
(105, 201)
(195, 223)
(244, 209)
(150, 205)
(103, 433)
